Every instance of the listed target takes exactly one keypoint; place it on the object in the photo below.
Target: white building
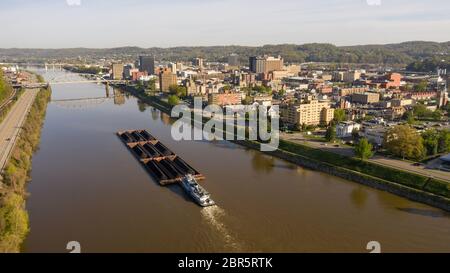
(345, 129)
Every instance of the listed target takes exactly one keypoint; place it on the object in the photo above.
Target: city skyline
(109, 24)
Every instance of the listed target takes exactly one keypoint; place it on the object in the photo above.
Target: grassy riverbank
(359, 170)
(13, 216)
(408, 179)
(6, 91)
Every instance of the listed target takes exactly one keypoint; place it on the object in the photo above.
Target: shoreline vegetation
(7, 93)
(14, 223)
(416, 187)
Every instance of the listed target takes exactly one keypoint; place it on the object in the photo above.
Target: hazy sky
(168, 23)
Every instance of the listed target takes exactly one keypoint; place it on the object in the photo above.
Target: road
(381, 160)
(11, 125)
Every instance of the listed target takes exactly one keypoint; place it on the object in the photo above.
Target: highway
(11, 125)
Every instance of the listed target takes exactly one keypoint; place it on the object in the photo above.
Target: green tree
(226, 87)
(140, 86)
(431, 141)
(408, 87)
(409, 117)
(437, 115)
(355, 134)
(339, 115)
(179, 91)
(421, 111)
(151, 85)
(405, 142)
(330, 135)
(421, 87)
(444, 141)
(247, 101)
(173, 100)
(5, 88)
(446, 107)
(263, 89)
(363, 149)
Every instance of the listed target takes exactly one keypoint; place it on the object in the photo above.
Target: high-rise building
(117, 71)
(128, 71)
(442, 97)
(191, 86)
(180, 66)
(147, 63)
(173, 67)
(265, 64)
(338, 76)
(309, 112)
(233, 60)
(351, 76)
(257, 64)
(166, 79)
(198, 62)
(273, 64)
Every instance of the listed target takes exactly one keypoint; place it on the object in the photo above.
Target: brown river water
(87, 187)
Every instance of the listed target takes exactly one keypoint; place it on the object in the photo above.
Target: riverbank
(14, 224)
(7, 97)
(415, 187)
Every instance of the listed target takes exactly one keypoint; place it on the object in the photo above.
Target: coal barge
(161, 163)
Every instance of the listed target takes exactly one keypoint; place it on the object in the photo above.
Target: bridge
(47, 66)
(46, 84)
(81, 103)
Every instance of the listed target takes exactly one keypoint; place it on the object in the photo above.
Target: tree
(437, 115)
(355, 134)
(431, 141)
(368, 117)
(408, 87)
(140, 86)
(226, 87)
(330, 134)
(339, 115)
(151, 85)
(421, 87)
(446, 107)
(179, 91)
(444, 141)
(404, 141)
(421, 111)
(363, 149)
(247, 101)
(409, 117)
(173, 100)
(263, 89)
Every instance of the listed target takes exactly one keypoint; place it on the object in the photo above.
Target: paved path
(381, 160)
(11, 125)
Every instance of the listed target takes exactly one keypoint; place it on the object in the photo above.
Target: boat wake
(213, 215)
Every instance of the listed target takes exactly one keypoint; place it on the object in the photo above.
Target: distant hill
(402, 53)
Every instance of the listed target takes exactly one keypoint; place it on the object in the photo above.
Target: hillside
(402, 53)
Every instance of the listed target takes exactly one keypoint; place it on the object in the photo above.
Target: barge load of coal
(162, 164)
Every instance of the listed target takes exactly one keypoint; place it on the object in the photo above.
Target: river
(87, 187)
